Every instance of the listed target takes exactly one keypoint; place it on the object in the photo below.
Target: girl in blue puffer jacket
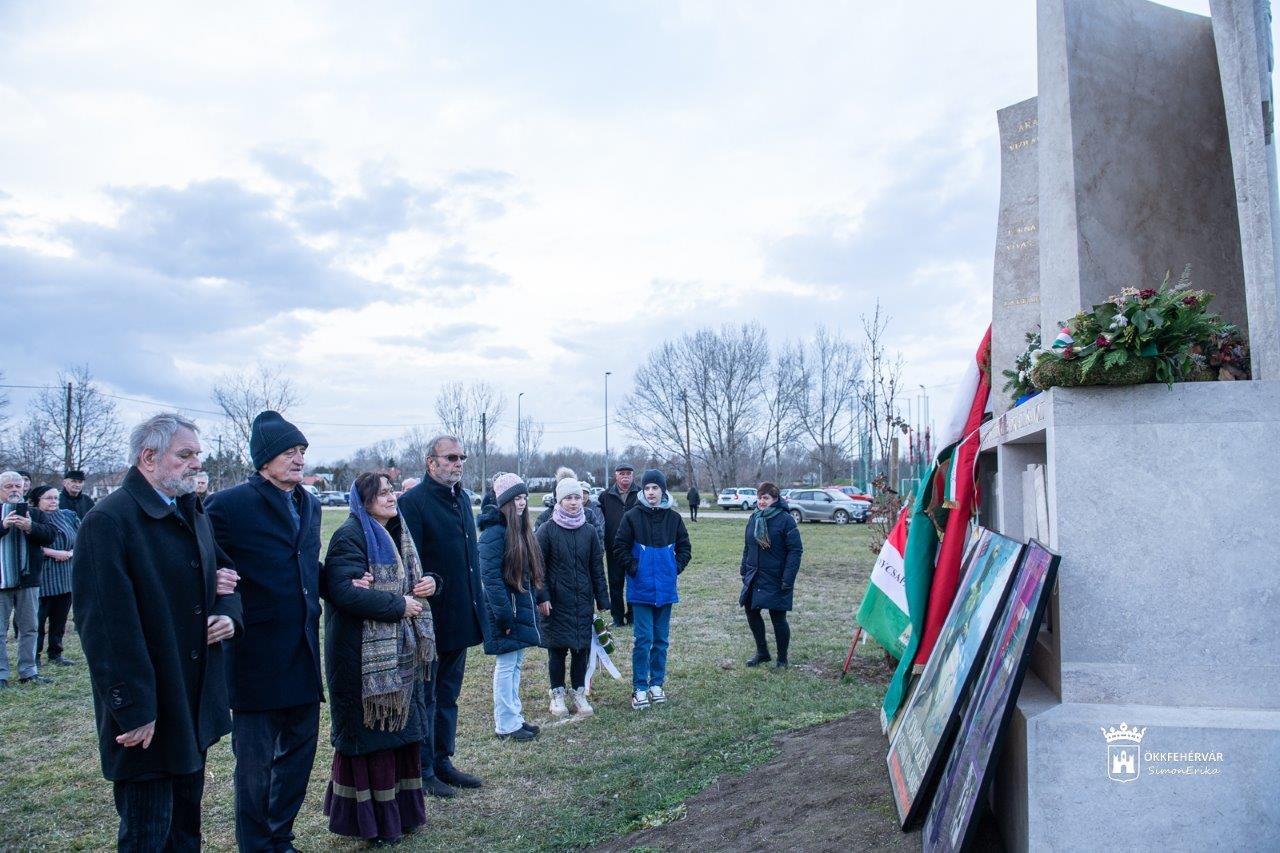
(511, 568)
(652, 544)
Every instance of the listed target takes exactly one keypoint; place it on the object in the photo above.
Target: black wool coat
(80, 504)
(143, 587)
(443, 528)
(772, 569)
(346, 609)
(614, 505)
(512, 614)
(594, 517)
(42, 533)
(276, 662)
(574, 565)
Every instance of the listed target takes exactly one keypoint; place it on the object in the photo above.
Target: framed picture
(932, 713)
(986, 718)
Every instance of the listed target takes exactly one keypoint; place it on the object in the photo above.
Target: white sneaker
(640, 699)
(580, 704)
(657, 695)
(558, 708)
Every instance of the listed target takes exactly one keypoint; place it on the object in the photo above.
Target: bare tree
(718, 374)
(528, 441)
(829, 376)
(459, 408)
(414, 447)
(878, 394)
(74, 425)
(782, 398)
(242, 396)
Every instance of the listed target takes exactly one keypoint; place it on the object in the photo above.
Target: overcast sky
(384, 196)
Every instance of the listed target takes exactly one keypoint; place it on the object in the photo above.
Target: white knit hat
(567, 486)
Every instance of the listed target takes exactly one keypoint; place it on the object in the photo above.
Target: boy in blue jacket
(652, 544)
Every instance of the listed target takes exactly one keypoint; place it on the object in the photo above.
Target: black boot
(758, 658)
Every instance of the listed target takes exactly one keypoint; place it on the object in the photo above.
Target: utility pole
(519, 439)
(484, 453)
(607, 374)
(688, 442)
(67, 454)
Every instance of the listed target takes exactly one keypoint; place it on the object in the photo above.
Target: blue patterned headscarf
(376, 538)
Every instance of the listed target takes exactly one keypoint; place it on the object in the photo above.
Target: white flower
(1119, 321)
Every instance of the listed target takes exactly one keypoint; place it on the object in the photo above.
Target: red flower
(1146, 293)
(1069, 352)
(1102, 341)
(1190, 301)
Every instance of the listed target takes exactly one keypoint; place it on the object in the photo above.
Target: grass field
(578, 784)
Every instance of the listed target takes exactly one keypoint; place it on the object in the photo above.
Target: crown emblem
(1124, 733)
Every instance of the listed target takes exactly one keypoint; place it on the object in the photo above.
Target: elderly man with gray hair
(153, 609)
(23, 530)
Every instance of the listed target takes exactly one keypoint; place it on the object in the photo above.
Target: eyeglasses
(453, 457)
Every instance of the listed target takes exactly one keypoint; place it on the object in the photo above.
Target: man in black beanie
(614, 503)
(270, 527)
(72, 496)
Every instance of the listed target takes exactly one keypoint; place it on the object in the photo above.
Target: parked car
(855, 493)
(313, 490)
(741, 497)
(332, 498)
(826, 505)
(473, 497)
(549, 499)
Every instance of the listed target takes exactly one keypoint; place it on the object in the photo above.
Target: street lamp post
(519, 437)
(607, 374)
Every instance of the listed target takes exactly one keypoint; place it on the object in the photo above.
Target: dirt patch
(826, 791)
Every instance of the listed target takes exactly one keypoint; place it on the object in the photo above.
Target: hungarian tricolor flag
(940, 525)
(883, 614)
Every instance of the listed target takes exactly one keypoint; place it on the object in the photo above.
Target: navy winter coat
(772, 569)
(653, 546)
(143, 588)
(276, 662)
(513, 615)
(443, 528)
(574, 565)
(346, 609)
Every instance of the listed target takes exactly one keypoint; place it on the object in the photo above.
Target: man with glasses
(437, 514)
(23, 531)
(270, 527)
(153, 612)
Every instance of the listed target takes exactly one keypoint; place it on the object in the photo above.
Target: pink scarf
(567, 521)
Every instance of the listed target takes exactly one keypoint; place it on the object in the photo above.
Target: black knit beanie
(654, 477)
(272, 435)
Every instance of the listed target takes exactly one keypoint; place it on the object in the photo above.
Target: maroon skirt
(378, 795)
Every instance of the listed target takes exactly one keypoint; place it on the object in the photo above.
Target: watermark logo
(1124, 752)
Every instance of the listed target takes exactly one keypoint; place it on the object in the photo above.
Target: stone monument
(1016, 279)
(1151, 716)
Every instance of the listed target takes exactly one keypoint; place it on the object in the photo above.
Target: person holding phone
(24, 530)
(55, 576)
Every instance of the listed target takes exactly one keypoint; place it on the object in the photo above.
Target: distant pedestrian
(24, 531)
(270, 527)
(770, 561)
(72, 496)
(437, 513)
(653, 547)
(573, 559)
(695, 501)
(153, 612)
(621, 496)
(513, 583)
(379, 645)
(55, 577)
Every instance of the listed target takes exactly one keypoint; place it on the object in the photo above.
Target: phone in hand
(20, 508)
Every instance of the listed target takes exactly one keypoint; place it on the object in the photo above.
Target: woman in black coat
(379, 643)
(573, 556)
(770, 562)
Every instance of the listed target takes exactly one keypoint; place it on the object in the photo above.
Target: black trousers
(274, 753)
(442, 711)
(577, 666)
(693, 512)
(617, 577)
(54, 609)
(781, 630)
(160, 814)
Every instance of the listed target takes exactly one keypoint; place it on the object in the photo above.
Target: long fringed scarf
(13, 553)
(394, 656)
(568, 520)
(761, 520)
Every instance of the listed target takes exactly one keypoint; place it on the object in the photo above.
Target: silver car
(822, 505)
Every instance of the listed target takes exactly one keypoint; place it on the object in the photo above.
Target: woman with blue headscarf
(379, 645)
